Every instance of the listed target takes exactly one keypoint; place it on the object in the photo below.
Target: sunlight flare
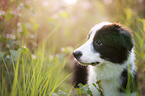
(70, 2)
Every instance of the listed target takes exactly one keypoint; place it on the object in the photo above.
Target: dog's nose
(77, 54)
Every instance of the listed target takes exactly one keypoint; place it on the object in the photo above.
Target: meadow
(37, 38)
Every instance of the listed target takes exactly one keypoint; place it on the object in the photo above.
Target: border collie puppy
(108, 57)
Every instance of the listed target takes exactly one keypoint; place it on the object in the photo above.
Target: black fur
(132, 84)
(116, 43)
(80, 75)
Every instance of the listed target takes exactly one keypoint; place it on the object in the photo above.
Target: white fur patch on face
(88, 53)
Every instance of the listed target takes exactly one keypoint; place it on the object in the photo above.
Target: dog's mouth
(85, 64)
(95, 63)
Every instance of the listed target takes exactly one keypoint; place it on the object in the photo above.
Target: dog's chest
(110, 87)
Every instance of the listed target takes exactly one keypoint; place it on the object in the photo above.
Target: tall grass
(139, 35)
(40, 73)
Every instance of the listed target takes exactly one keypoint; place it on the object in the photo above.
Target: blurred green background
(37, 38)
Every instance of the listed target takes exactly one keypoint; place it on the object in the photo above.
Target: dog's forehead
(96, 28)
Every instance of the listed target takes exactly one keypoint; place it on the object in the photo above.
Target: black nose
(77, 54)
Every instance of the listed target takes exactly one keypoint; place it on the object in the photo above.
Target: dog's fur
(107, 56)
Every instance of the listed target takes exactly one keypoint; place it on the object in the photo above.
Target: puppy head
(107, 42)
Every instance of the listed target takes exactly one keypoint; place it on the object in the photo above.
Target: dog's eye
(98, 43)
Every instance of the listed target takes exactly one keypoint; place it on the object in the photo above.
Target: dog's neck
(109, 76)
(110, 70)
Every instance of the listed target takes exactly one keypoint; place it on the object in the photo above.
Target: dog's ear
(125, 35)
(126, 38)
(122, 36)
(127, 41)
